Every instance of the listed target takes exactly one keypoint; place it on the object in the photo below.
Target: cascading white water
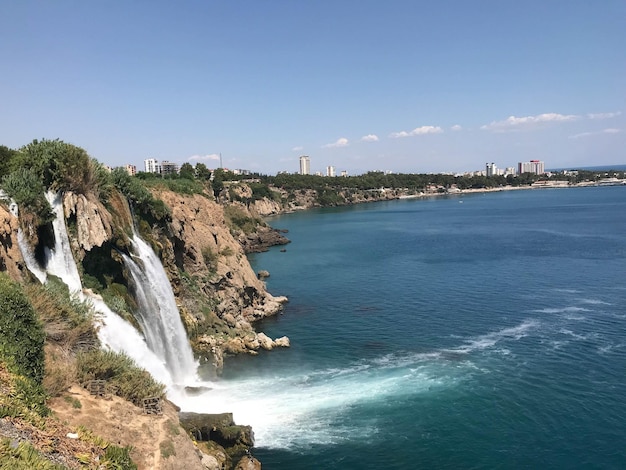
(59, 260)
(29, 257)
(114, 332)
(158, 314)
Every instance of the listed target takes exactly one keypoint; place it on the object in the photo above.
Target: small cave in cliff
(179, 253)
(104, 264)
(45, 239)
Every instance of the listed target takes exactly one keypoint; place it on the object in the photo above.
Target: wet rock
(219, 428)
(265, 341)
(282, 342)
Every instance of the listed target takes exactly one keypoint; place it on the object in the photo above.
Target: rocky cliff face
(220, 295)
(10, 256)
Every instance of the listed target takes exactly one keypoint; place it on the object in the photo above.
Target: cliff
(10, 256)
(218, 295)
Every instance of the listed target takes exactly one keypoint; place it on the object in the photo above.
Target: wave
(491, 339)
(570, 309)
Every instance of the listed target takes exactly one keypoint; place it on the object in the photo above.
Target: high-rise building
(533, 166)
(491, 169)
(305, 165)
(152, 166)
(330, 170)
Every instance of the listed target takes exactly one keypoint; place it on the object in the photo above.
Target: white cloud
(603, 115)
(213, 156)
(456, 127)
(417, 131)
(610, 130)
(341, 142)
(369, 138)
(516, 123)
(298, 148)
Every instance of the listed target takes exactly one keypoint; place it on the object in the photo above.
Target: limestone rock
(210, 463)
(263, 274)
(10, 256)
(265, 341)
(93, 221)
(282, 342)
(248, 462)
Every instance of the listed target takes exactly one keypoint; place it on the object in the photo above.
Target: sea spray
(158, 313)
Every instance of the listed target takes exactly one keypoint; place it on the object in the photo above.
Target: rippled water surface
(483, 331)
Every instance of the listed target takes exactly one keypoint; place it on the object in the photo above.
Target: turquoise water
(482, 331)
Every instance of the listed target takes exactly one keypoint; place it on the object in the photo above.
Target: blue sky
(400, 85)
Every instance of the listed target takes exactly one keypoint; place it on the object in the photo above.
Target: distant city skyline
(403, 86)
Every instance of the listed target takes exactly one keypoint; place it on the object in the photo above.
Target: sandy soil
(158, 441)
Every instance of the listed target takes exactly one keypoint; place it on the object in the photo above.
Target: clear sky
(400, 85)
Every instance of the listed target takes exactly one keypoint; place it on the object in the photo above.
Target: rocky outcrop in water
(225, 438)
(263, 239)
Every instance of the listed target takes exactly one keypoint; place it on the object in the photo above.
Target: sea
(460, 332)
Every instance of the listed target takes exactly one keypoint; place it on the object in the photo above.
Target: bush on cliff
(138, 195)
(62, 167)
(21, 334)
(25, 187)
(21, 347)
(123, 376)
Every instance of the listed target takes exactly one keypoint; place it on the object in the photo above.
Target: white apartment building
(330, 171)
(305, 165)
(151, 165)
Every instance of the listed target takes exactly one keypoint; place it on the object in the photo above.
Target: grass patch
(167, 449)
(238, 220)
(75, 402)
(123, 376)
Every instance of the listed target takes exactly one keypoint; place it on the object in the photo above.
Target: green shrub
(61, 166)
(118, 458)
(210, 258)
(138, 195)
(181, 185)
(25, 187)
(237, 219)
(23, 456)
(21, 334)
(128, 380)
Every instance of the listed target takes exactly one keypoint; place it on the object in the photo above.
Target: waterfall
(29, 257)
(27, 253)
(158, 314)
(59, 260)
(114, 332)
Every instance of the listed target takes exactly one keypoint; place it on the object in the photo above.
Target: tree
(202, 172)
(6, 157)
(187, 171)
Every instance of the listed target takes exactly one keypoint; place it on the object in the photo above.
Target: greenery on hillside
(21, 344)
